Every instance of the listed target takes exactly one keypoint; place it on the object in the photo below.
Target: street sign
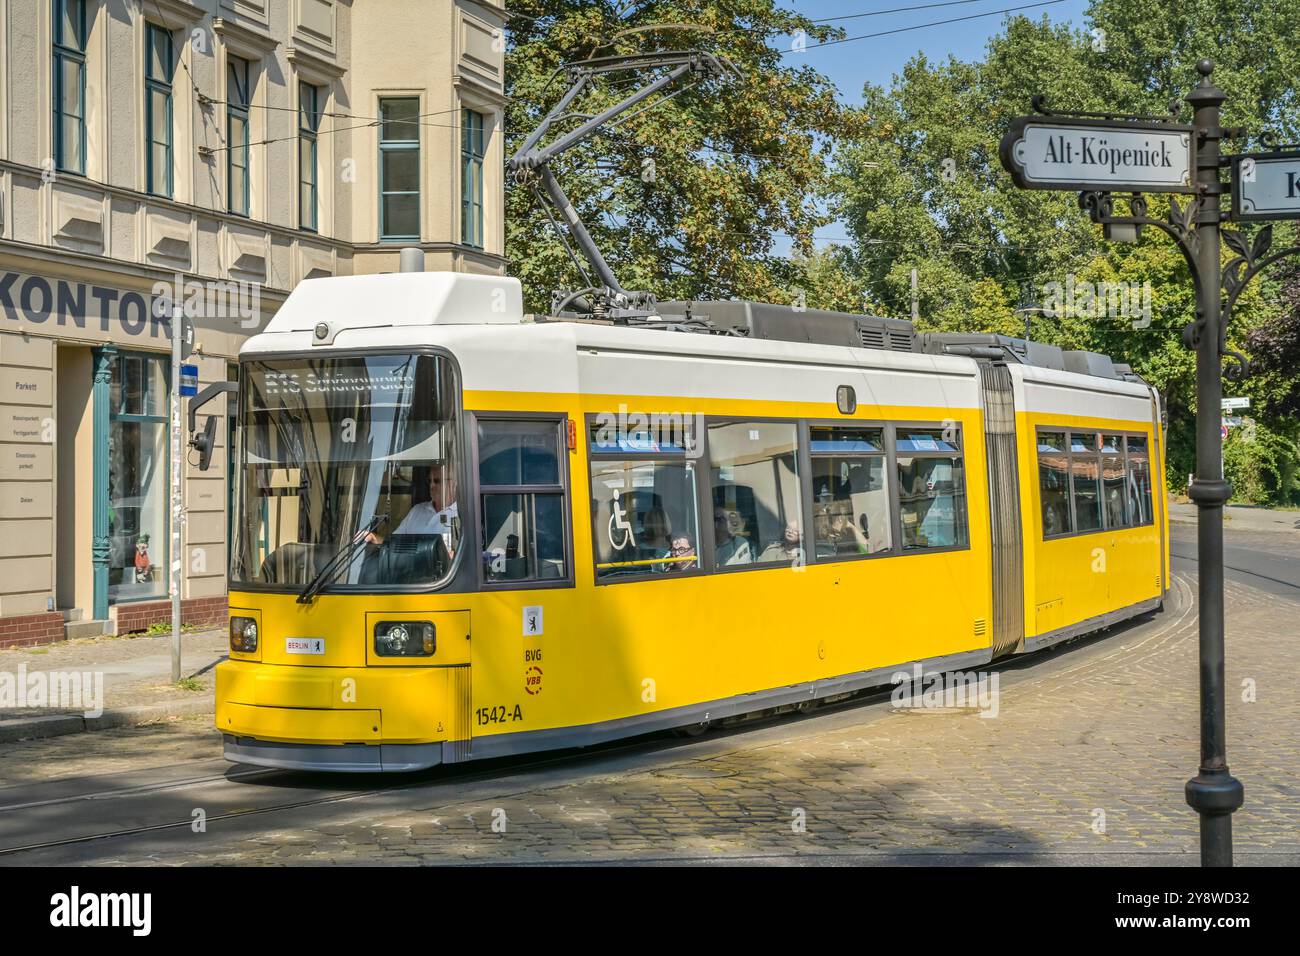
(1223, 432)
(187, 337)
(1232, 403)
(1044, 153)
(1266, 186)
(189, 381)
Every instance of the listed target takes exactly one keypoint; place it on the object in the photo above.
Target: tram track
(303, 790)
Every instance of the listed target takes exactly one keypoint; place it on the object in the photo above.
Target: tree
(924, 188)
(687, 199)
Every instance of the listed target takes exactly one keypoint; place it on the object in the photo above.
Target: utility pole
(916, 304)
(177, 489)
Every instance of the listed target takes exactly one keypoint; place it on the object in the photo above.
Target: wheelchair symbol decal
(618, 522)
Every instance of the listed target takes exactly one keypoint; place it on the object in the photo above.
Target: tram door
(1004, 510)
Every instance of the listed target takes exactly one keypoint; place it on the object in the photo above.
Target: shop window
(138, 479)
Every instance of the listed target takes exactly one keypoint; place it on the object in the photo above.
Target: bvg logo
(103, 909)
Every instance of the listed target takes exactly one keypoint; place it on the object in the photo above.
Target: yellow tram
(463, 532)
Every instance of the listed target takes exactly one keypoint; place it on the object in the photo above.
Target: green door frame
(100, 550)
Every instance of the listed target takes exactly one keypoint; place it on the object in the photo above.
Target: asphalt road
(1266, 560)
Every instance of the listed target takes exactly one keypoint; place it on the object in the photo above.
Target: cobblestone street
(1085, 761)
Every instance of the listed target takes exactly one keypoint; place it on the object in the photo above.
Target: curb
(58, 725)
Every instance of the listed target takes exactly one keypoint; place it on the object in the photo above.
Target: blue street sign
(189, 380)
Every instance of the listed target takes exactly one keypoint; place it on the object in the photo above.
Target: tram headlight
(405, 639)
(243, 635)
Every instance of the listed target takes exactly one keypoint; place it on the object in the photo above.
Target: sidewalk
(1241, 517)
(128, 677)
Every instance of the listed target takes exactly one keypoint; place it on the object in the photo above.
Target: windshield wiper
(340, 559)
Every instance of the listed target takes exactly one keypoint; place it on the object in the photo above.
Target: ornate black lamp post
(1060, 156)
(1214, 793)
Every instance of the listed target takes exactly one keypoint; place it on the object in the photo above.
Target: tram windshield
(349, 468)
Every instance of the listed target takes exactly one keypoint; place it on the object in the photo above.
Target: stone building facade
(214, 154)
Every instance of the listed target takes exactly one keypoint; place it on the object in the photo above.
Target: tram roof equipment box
(785, 323)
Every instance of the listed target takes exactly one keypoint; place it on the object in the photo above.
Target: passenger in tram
(844, 535)
(655, 537)
(681, 549)
(732, 547)
(654, 540)
(788, 548)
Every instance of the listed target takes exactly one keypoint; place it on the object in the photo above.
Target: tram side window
(1112, 481)
(754, 477)
(850, 491)
(1054, 483)
(1139, 481)
(1085, 480)
(521, 494)
(643, 501)
(931, 488)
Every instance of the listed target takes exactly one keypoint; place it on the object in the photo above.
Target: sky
(877, 59)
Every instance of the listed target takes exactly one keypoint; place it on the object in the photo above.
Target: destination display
(1043, 153)
(1266, 186)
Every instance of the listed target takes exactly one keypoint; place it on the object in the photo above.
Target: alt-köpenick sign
(1043, 153)
(1266, 186)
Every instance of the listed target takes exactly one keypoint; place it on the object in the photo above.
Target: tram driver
(432, 514)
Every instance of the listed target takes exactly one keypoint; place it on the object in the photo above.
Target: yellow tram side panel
(1075, 578)
(610, 651)
(620, 650)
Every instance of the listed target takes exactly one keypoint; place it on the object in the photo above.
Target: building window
(309, 115)
(931, 488)
(158, 110)
(471, 178)
(644, 503)
(238, 97)
(851, 513)
(521, 492)
(754, 474)
(70, 85)
(399, 168)
(137, 477)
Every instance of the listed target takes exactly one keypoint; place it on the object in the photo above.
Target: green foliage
(914, 175)
(924, 189)
(735, 163)
(1261, 464)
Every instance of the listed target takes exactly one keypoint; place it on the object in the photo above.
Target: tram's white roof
(480, 320)
(400, 298)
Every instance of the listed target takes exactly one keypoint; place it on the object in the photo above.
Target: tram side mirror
(203, 441)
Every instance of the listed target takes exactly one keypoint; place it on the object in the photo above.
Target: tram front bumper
(336, 758)
(334, 718)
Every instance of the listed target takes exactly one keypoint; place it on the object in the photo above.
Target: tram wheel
(698, 729)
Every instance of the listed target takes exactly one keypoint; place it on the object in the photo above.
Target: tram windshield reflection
(349, 465)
